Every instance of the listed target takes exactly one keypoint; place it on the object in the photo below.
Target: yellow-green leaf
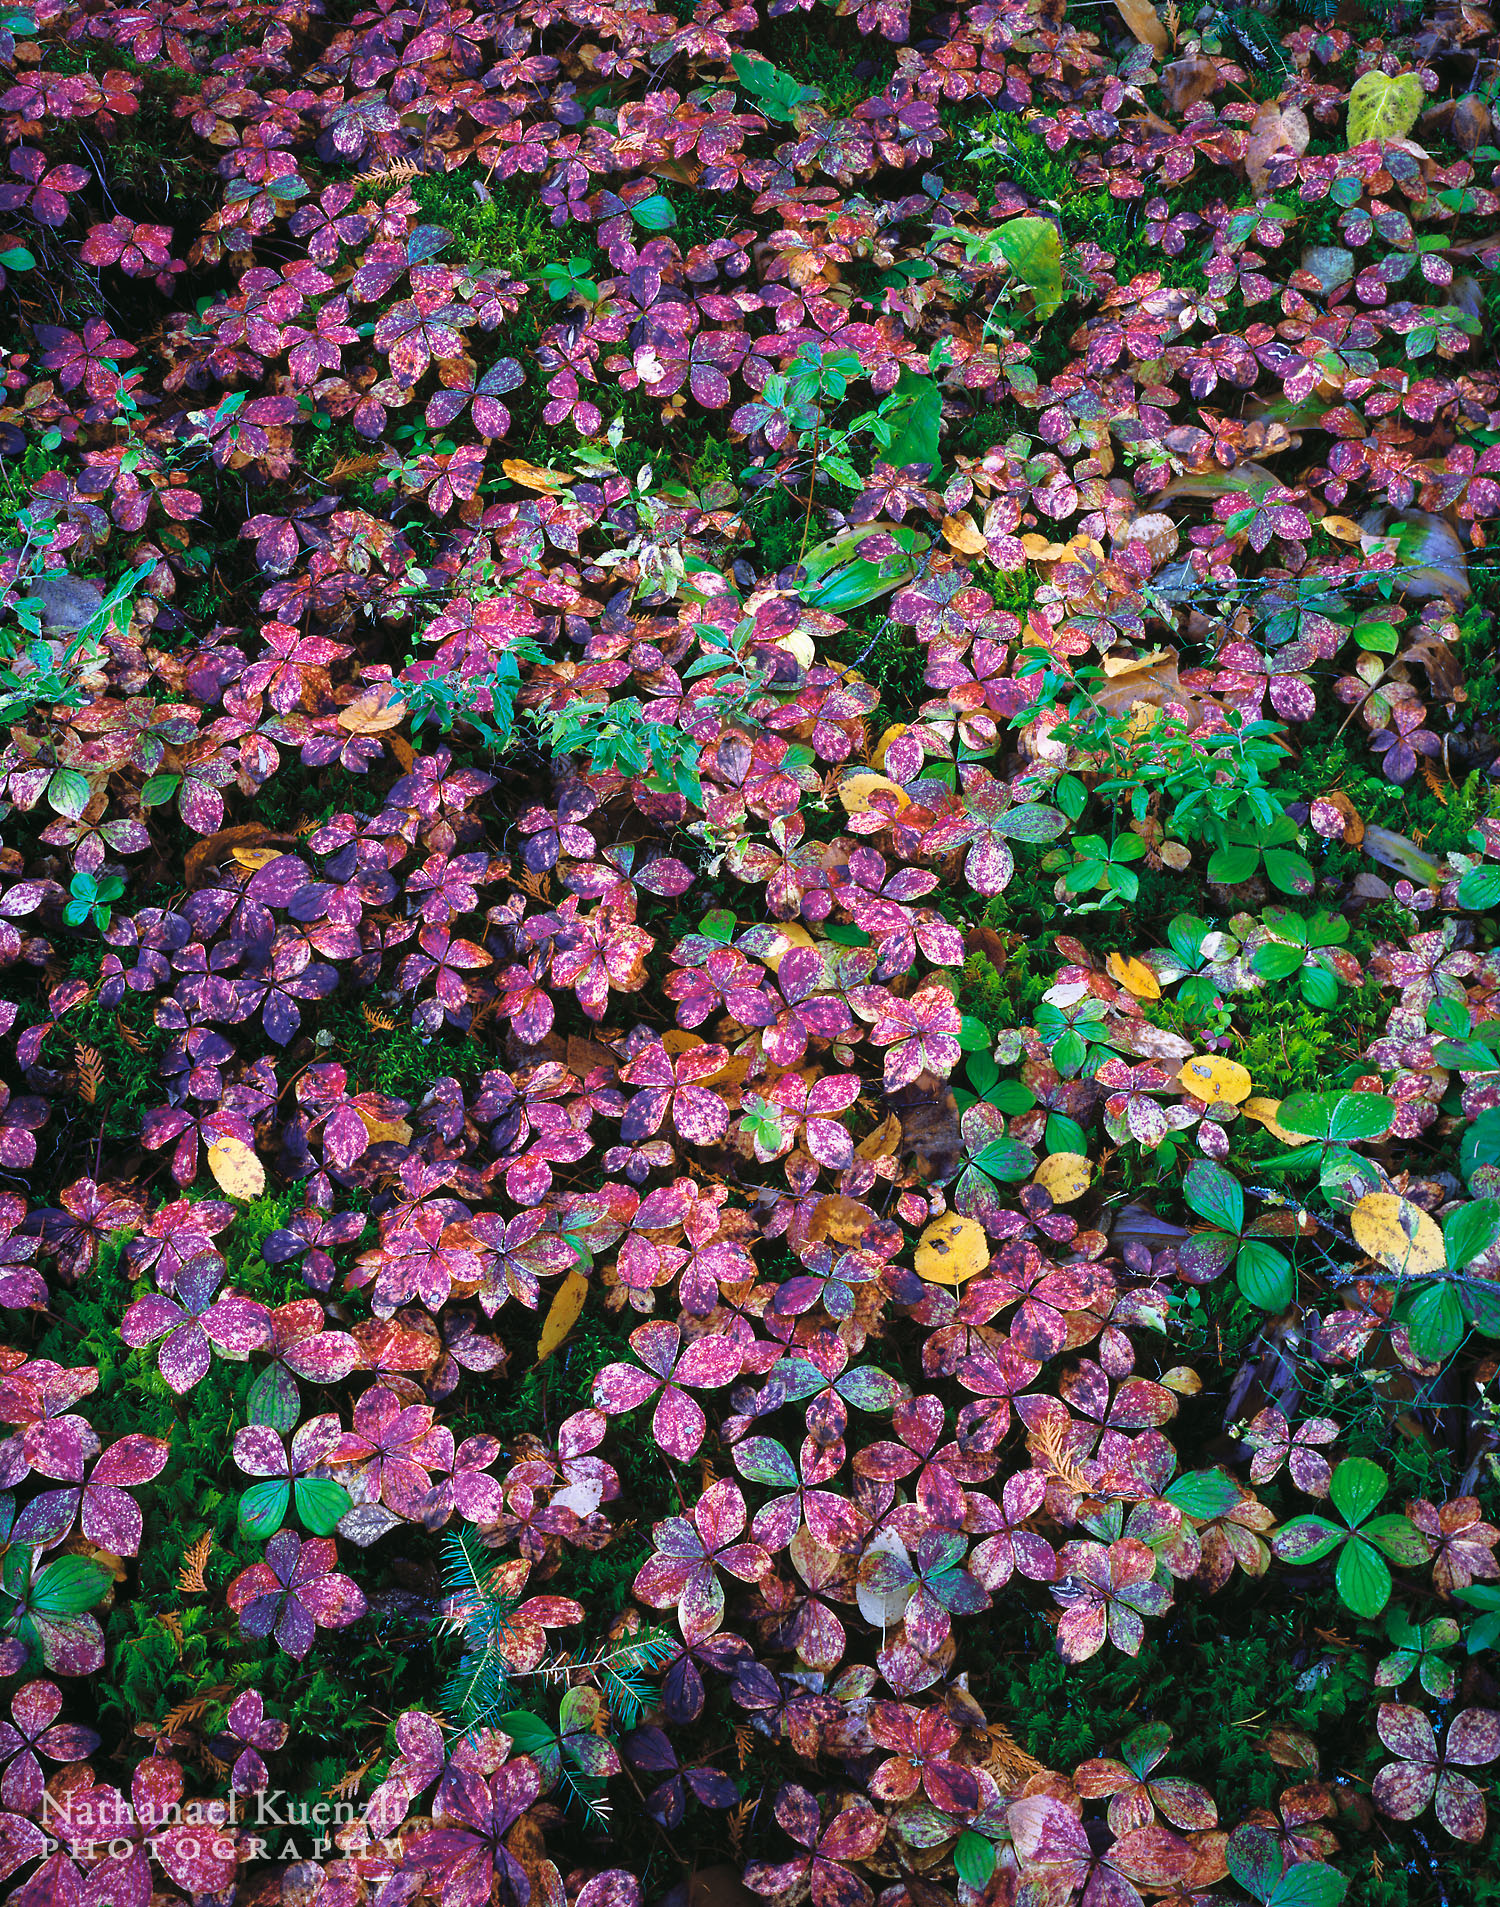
(562, 1314)
(1033, 250)
(1382, 107)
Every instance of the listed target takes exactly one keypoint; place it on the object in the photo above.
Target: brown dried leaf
(1276, 132)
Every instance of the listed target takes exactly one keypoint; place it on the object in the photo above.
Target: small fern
(479, 1688)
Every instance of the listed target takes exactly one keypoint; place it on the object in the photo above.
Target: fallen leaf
(952, 1250)
(883, 1593)
(1182, 1379)
(254, 857)
(533, 476)
(1399, 1235)
(1264, 1112)
(1384, 106)
(791, 934)
(373, 713)
(1134, 975)
(1343, 527)
(237, 1168)
(877, 754)
(1146, 24)
(1276, 132)
(1222, 1082)
(396, 1131)
(562, 1314)
(963, 534)
(1064, 1176)
(882, 1142)
(214, 849)
(844, 1220)
(800, 645)
(855, 792)
(1188, 80)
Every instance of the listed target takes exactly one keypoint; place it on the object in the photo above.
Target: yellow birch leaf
(799, 644)
(952, 1250)
(855, 791)
(1264, 1112)
(844, 1220)
(963, 534)
(882, 1142)
(236, 1167)
(791, 935)
(1134, 975)
(1398, 1235)
(1064, 1176)
(255, 857)
(562, 1314)
(533, 477)
(1343, 527)
(382, 1129)
(1222, 1082)
(1146, 24)
(1182, 1379)
(373, 714)
(892, 734)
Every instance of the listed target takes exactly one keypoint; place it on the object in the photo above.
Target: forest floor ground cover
(749, 995)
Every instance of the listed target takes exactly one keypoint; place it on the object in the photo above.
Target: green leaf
(1309, 1884)
(1215, 1194)
(1435, 1323)
(1203, 1493)
(654, 214)
(1337, 1118)
(1320, 987)
(1479, 890)
(273, 1399)
(1033, 250)
(1363, 1577)
(974, 1857)
(1254, 1858)
(973, 1034)
(1006, 1159)
(1292, 873)
(69, 1586)
(1065, 1134)
(1264, 1276)
(1228, 866)
(1277, 962)
(1357, 1488)
(320, 1504)
(918, 415)
(263, 1508)
(68, 793)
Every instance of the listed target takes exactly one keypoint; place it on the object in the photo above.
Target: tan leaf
(883, 1141)
(962, 533)
(562, 1314)
(1188, 80)
(844, 1220)
(1344, 528)
(1146, 24)
(533, 477)
(237, 1168)
(1064, 1176)
(952, 1250)
(1134, 975)
(1275, 132)
(1398, 1235)
(1222, 1082)
(373, 713)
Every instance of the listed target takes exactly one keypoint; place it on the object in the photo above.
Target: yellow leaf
(1127, 665)
(800, 645)
(562, 1314)
(963, 534)
(844, 1220)
(381, 1129)
(882, 1142)
(238, 1171)
(1400, 1236)
(1222, 1082)
(791, 934)
(533, 476)
(1264, 1111)
(1383, 106)
(1134, 975)
(855, 791)
(255, 857)
(1343, 527)
(1064, 1176)
(1146, 24)
(1041, 549)
(373, 714)
(892, 734)
(1182, 1379)
(952, 1250)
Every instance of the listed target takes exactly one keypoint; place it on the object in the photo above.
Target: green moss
(502, 223)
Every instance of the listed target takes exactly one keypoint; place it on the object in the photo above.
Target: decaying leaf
(1222, 1082)
(1134, 975)
(952, 1250)
(1384, 106)
(1399, 1235)
(562, 1314)
(1146, 24)
(1277, 133)
(237, 1168)
(1064, 1176)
